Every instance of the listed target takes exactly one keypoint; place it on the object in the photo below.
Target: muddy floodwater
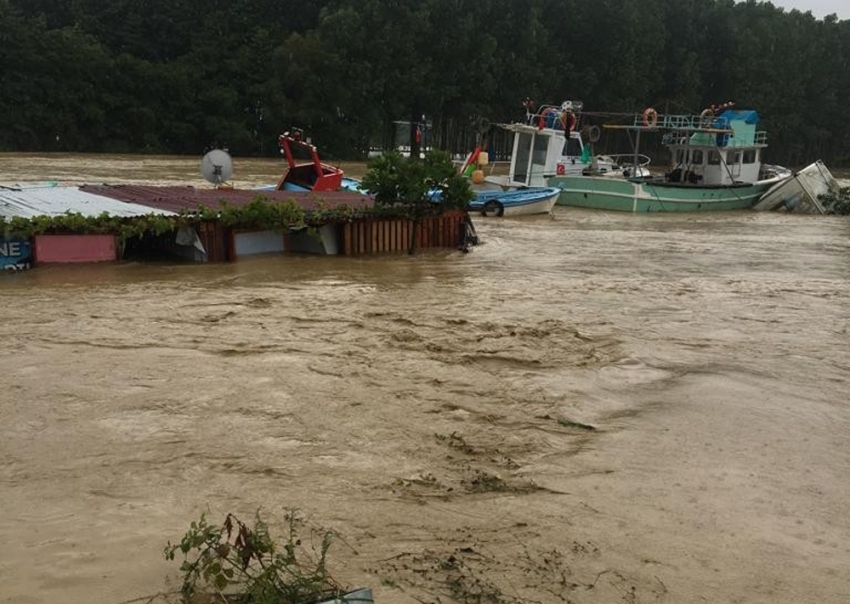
(590, 408)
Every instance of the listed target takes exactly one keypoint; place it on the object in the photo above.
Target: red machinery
(312, 175)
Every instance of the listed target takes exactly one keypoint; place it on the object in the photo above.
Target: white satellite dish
(217, 167)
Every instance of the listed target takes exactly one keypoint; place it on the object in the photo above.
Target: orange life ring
(541, 121)
(650, 117)
(560, 170)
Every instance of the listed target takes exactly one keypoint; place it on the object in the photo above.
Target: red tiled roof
(177, 199)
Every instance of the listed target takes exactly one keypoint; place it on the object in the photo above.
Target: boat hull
(515, 203)
(544, 206)
(636, 196)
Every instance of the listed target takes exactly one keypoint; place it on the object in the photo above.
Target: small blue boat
(533, 200)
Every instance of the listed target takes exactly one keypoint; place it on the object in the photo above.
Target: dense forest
(175, 75)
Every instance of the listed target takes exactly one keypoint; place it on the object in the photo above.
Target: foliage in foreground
(243, 564)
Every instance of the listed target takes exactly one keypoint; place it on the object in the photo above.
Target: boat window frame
(522, 161)
(697, 157)
(714, 158)
(573, 142)
(749, 156)
(539, 154)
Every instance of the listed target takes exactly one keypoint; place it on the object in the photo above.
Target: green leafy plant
(238, 563)
(421, 187)
(836, 203)
(76, 223)
(259, 213)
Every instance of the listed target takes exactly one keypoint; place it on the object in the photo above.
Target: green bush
(418, 187)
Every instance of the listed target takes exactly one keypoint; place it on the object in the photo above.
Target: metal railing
(553, 112)
(679, 122)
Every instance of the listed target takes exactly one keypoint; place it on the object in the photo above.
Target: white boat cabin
(724, 150)
(541, 148)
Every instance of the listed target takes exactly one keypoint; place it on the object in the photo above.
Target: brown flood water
(593, 408)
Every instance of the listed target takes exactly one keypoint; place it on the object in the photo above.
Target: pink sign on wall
(75, 248)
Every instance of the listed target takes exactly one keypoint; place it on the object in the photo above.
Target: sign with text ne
(15, 254)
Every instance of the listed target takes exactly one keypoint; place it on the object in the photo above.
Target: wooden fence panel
(346, 239)
(396, 234)
(212, 236)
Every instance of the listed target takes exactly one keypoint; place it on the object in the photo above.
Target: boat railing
(675, 122)
(553, 116)
(685, 124)
(678, 129)
(628, 159)
(499, 166)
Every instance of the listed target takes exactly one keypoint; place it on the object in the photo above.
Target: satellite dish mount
(217, 168)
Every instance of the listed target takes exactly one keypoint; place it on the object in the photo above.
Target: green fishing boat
(716, 164)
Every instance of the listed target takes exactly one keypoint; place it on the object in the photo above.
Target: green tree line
(176, 75)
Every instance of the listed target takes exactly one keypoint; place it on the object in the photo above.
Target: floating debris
(836, 203)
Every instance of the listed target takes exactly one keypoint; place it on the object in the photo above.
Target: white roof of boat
(528, 128)
(27, 201)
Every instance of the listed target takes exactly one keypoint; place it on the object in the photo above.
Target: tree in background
(166, 76)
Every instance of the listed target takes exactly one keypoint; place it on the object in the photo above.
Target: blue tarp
(748, 116)
(725, 119)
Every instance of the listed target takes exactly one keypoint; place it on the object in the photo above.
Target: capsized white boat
(800, 192)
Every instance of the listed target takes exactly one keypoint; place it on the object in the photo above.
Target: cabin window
(680, 156)
(572, 147)
(750, 156)
(713, 158)
(541, 148)
(734, 158)
(696, 157)
(523, 152)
